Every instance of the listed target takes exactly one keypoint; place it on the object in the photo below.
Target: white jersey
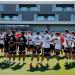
(37, 39)
(73, 40)
(58, 43)
(52, 40)
(30, 39)
(68, 40)
(27, 37)
(46, 41)
(2, 39)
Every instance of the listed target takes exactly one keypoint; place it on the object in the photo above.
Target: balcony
(27, 7)
(45, 17)
(11, 17)
(63, 7)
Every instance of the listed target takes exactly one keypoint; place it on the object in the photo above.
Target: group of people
(46, 44)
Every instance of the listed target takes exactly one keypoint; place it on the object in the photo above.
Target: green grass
(23, 69)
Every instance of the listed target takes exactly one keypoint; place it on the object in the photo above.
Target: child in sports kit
(46, 47)
(62, 42)
(58, 46)
(12, 46)
(6, 44)
(22, 46)
(52, 48)
(27, 49)
(30, 44)
(1, 42)
(37, 43)
(73, 46)
(67, 45)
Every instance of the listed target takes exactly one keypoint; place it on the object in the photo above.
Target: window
(27, 7)
(72, 17)
(51, 18)
(1, 7)
(40, 18)
(63, 7)
(20, 17)
(15, 18)
(46, 17)
(11, 17)
(57, 8)
(6, 18)
(68, 9)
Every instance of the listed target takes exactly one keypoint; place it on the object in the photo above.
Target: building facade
(37, 16)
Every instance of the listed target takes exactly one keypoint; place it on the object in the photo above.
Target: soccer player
(22, 46)
(26, 35)
(67, 45)
(52, 47)
(12, 46)
(6, 43)
(30, 44)
(1, 41)
(73, 46)
(62, 42)
(46, 48)
(58, 46)
(37, 43)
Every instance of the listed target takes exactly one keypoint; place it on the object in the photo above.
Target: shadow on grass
(18, 66)
(42, 69)
(69, 66)
(1, 56)
(60, 58)
(57, 67)
(5, 65)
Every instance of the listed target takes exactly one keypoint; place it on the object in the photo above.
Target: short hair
(66, 30)
(37, 33)
(73, 32)
(22, 32)
(46, 31)
(57, 33)
(13, 31)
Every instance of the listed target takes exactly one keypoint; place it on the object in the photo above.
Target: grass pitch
(23, 68)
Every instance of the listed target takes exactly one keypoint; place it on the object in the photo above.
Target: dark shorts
(1, 46)
(37, 49)
(57, 52)
(21, 48)
(26, 45)
(12, 48)
(67, 50)
(6, 48)
(52, 47)
(21, 52)
(73, 50)
(63, 47)
(46, 51)
(30, 46)
(12, 51)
